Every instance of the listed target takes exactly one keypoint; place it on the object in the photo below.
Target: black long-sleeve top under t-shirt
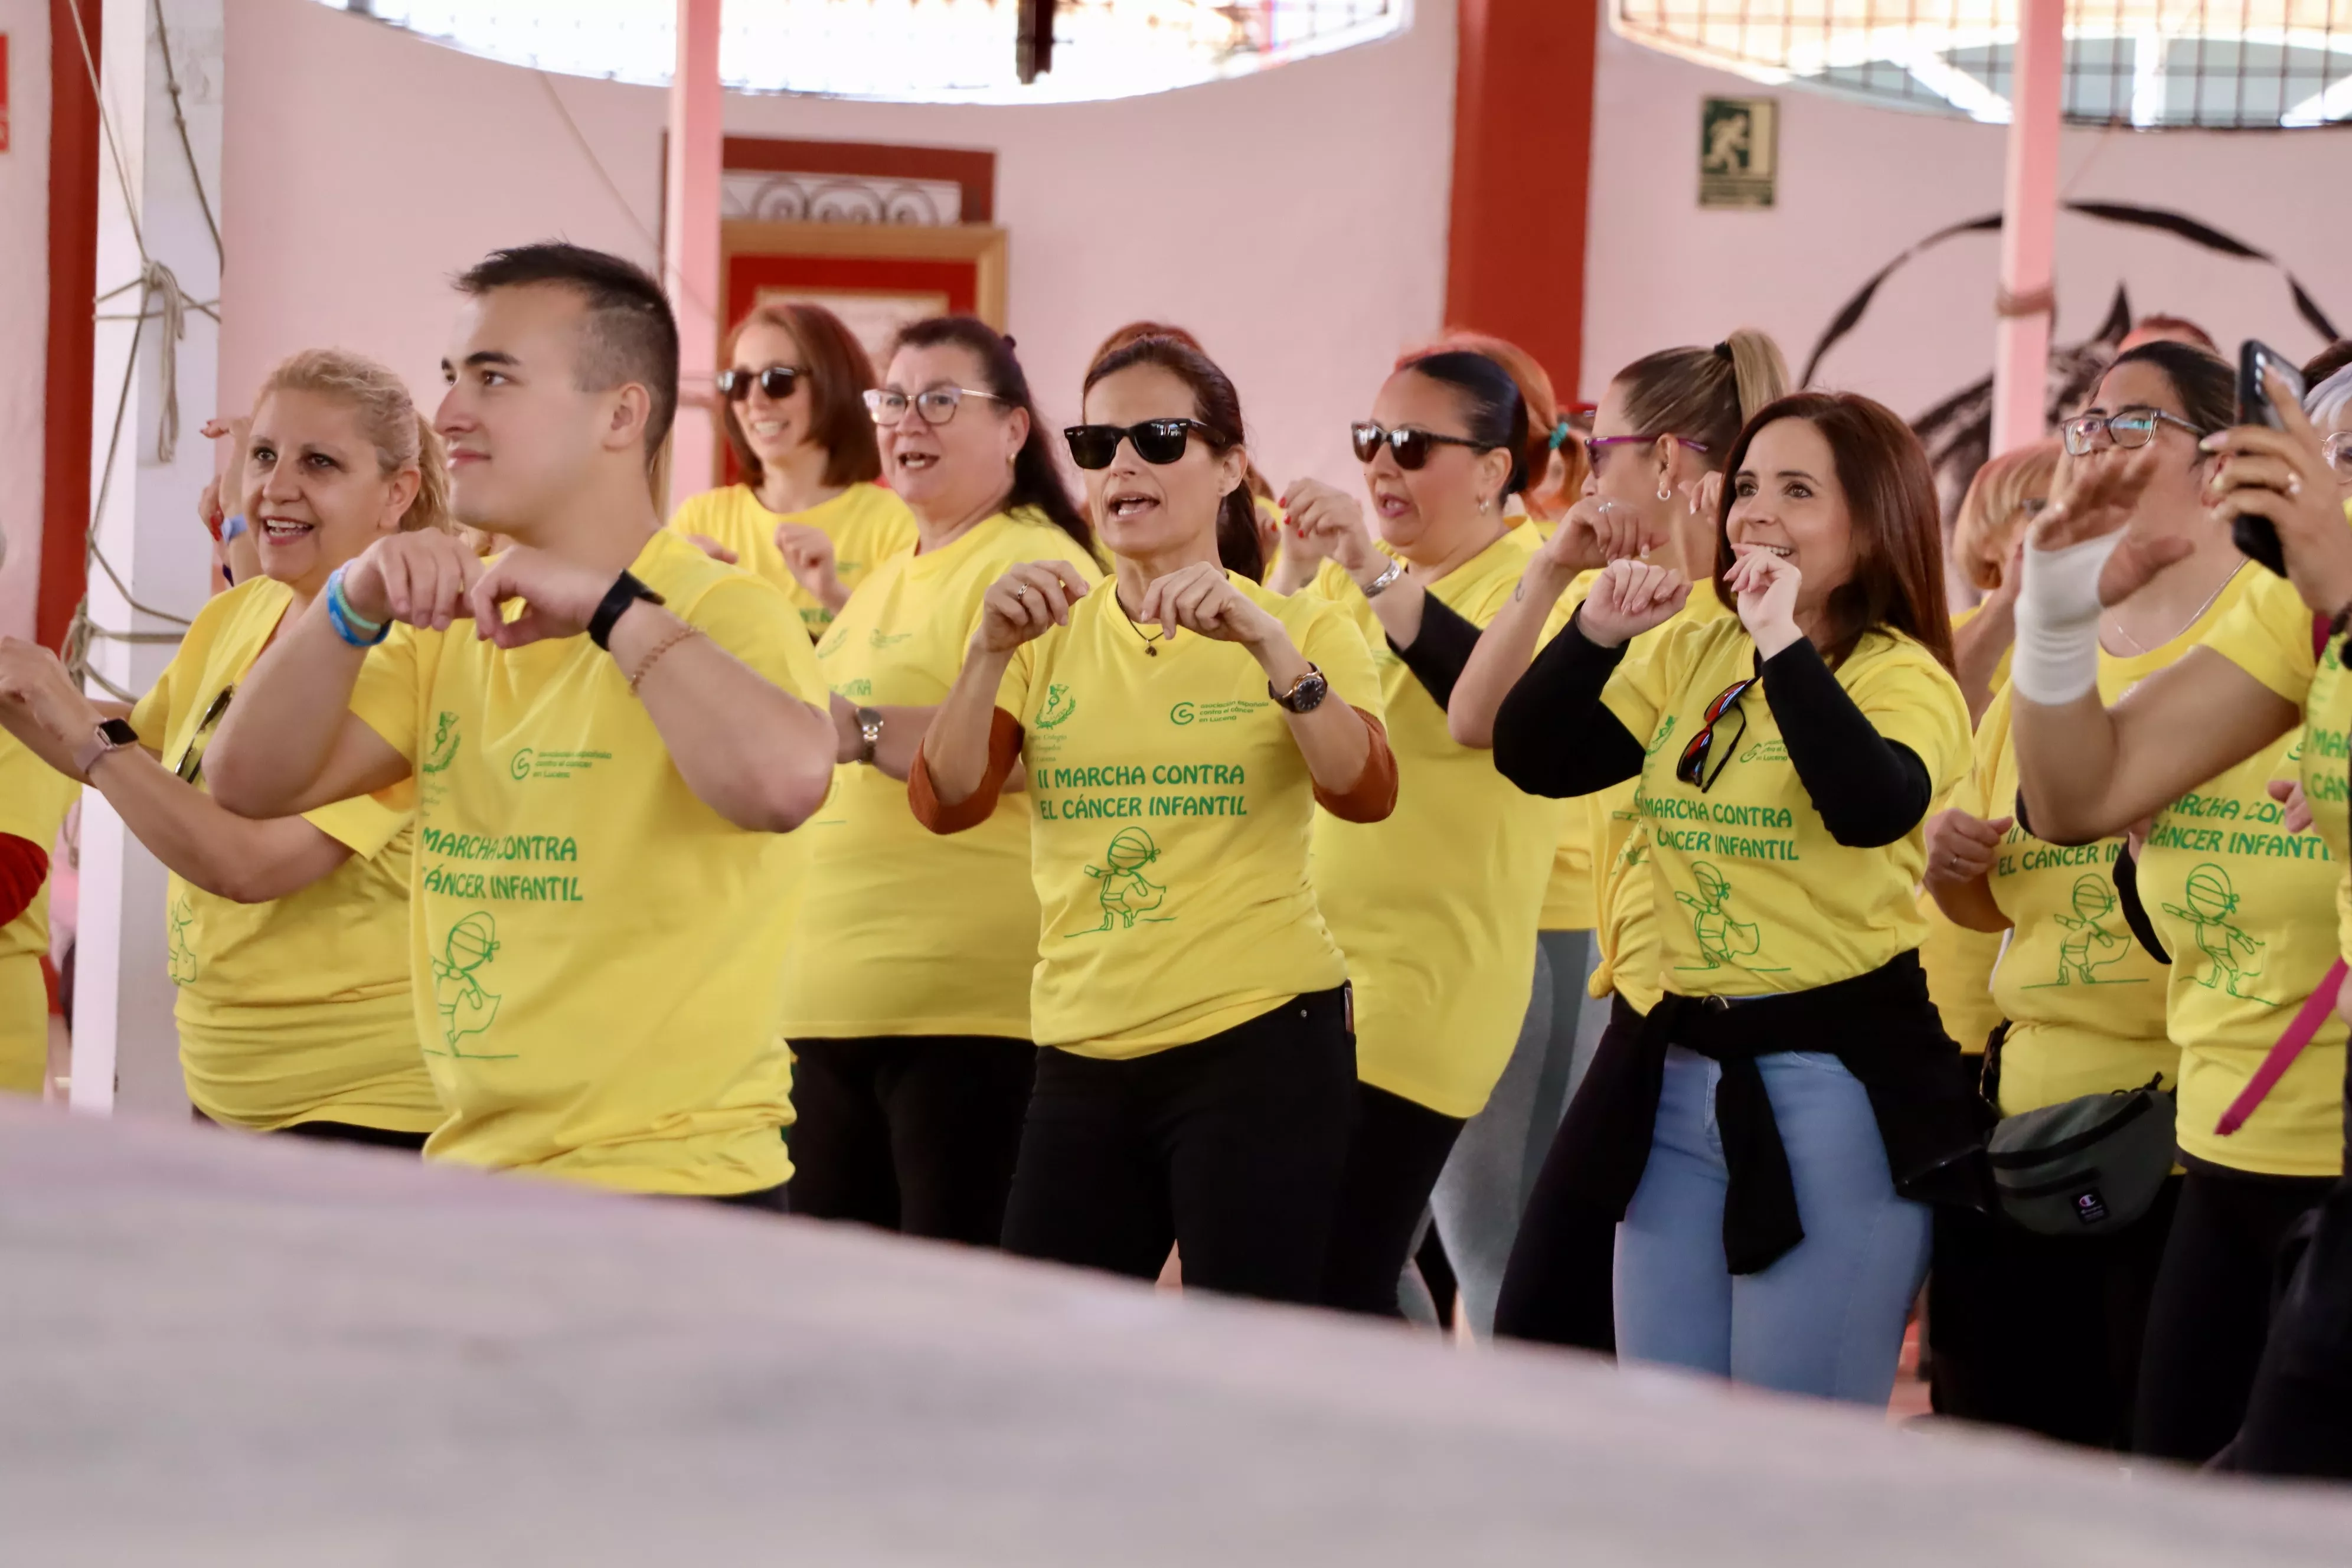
(1554, 737)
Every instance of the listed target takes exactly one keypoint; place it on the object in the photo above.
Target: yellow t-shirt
(906, 932)
(299, 1009)
(866, 523)
(1625, 910)
(1960, 961)
(2086, 1003)
(1173, 812)
(34, 800)
(596, 950)
(1435, 908)
(1762, 898)
(2292, 887)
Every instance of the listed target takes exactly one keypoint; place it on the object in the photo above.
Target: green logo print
(2090, 946)
(445, 743)
(1722, 941)
(465, 1008)
(1059, 706)
(1127, 895)
(2211, 901)
(183, 956)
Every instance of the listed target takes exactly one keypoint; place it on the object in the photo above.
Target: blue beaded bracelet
(350, 625)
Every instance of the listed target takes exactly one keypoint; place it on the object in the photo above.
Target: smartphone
(2256, 539)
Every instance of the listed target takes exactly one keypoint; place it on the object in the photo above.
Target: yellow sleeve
(2267, 634)
(385, 697)
(1646, 679)
(1334, 645)
(1915, 702)
(750, 618)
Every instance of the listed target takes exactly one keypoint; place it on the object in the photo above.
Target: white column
(691, 238)
(126, 1052)
(2029, 228)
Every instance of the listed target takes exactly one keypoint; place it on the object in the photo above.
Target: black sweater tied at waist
(1880, 1025)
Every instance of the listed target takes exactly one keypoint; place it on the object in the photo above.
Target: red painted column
(1522, 171)
(73, 279)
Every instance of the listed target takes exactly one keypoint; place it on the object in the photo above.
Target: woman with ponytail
(289, 938)
(906, 988)
(1434, 906)
(1178, 726)
(1660, 435)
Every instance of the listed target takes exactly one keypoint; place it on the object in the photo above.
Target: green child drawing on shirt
(1125, 894)
(465, 1008)
(2207, 901)
(1721, 938)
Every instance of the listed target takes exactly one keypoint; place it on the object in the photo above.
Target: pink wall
(1296, 220)
(23, 305)
(1858, 184)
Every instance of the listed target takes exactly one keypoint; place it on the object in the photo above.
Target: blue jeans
(1825, 1319)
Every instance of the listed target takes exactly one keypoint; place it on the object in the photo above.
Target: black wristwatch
(626, 591)
(113, 735)
(1306, 693)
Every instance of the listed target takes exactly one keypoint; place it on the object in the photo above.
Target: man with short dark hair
(611, 735)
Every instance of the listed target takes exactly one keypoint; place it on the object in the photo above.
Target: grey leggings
(1486, 1183)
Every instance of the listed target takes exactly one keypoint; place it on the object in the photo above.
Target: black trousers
(1394, 1154)
(1558, 1287)
(2211, 1313)
(913, 1133)
(1231, 1148)
(2042, 1333)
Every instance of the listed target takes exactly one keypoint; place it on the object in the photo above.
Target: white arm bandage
(2057, 657)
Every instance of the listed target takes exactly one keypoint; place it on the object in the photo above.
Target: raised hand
(1022, 604)
(2282, 477)
(1766, 584)
(421, 578)
(1961, 847)
(1631, 597)
(1202, 598)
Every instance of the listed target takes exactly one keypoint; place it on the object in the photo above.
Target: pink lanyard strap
(2315, 1009)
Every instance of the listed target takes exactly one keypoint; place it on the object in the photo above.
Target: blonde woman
(289, 937)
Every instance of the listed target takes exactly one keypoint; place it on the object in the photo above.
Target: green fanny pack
(2084, 1166)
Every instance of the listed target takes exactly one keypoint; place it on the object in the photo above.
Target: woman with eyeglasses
(289, 939)
(2088, 768)
(809, 515)
(1435, 905)
(2033, 1331)
(1662, 428)
(1178, 726)
(1772, 1134)
(907, 985)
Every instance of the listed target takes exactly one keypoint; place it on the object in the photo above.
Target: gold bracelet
(660, 649)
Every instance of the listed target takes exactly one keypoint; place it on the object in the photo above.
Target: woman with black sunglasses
(1436, 905)
(289, 938)
(906, 984)
(1770, 1136)
(2046, 1332)
(808, 515)
(1177, 728)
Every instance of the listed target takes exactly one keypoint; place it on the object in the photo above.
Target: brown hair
(838, 372)
(1215, 405)
(1992, 514)
(1036, 480)
(1898, 532)
(1704, 396)
(1534, 392)
(402, 437)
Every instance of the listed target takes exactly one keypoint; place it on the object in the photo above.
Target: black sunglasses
(777, 381)
(1158, 442)
(1409, 445)
(1692, 768)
